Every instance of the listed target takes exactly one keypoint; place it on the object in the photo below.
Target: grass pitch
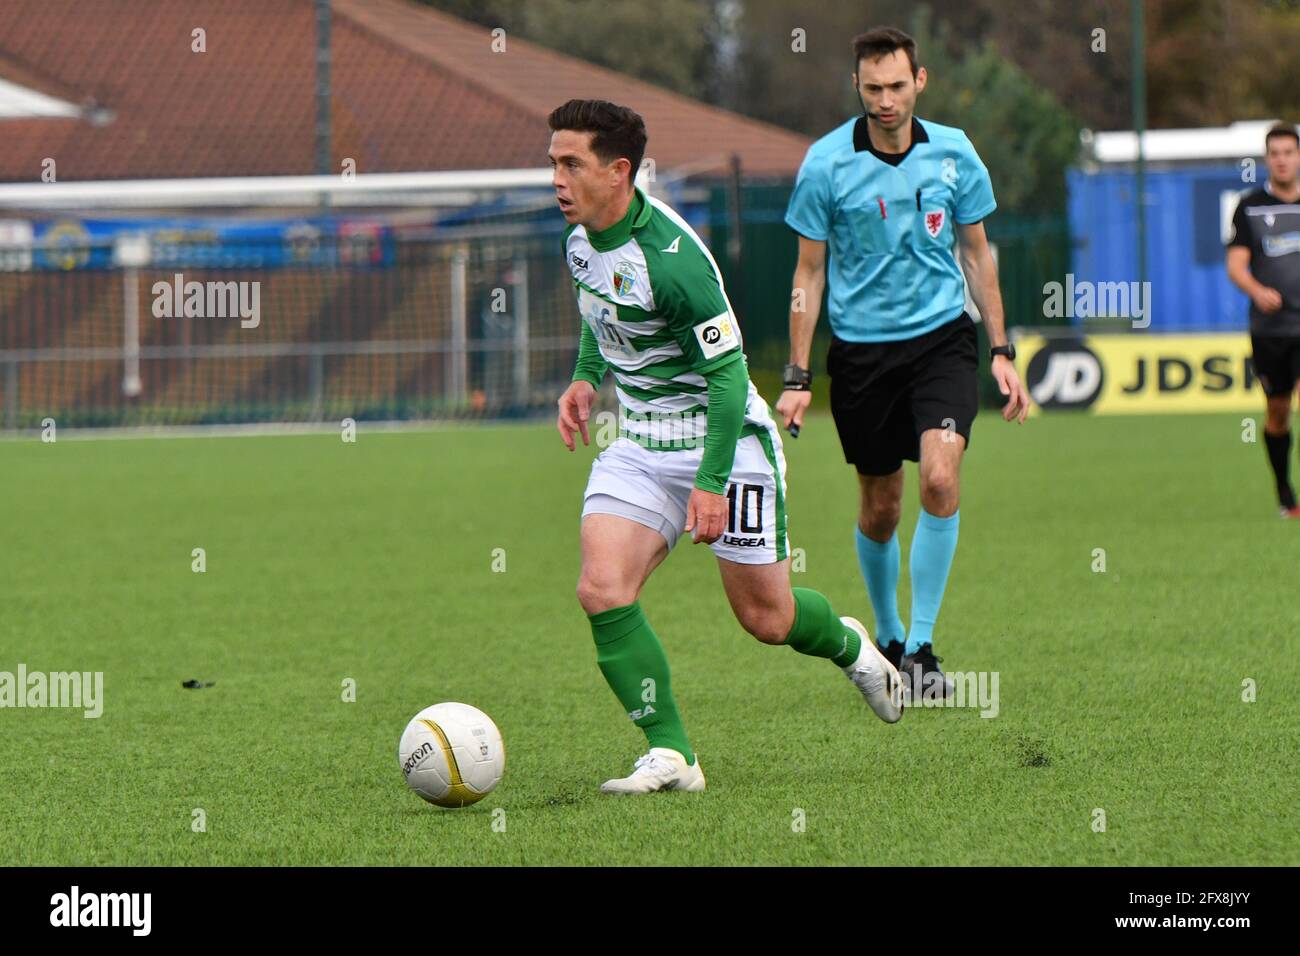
(1119, 690)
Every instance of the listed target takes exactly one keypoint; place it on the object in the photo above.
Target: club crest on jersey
(934, 223)
(624, 278)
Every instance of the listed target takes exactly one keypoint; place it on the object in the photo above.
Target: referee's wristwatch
(797, 379)
(1008, 350)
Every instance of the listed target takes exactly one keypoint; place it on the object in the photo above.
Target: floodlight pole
(1139, 127)
(323, 88)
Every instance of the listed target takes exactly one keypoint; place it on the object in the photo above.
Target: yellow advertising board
(1138, 373)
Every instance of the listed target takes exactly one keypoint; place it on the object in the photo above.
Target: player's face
(584, 185)
(1283, 158)
(888, 89)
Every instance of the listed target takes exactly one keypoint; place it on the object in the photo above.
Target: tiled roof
(413, 89)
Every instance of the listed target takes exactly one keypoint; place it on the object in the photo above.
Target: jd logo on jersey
(934, 223)
(716, 336)
(624, 278)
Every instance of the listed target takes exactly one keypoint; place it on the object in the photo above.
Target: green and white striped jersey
(654, 299)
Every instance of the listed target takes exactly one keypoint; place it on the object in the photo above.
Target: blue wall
(1190, 290)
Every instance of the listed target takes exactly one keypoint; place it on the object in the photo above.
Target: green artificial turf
(326, 561)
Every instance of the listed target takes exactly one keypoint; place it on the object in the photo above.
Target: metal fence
(441, 329)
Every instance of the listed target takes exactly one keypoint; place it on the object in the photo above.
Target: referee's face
(586, 188)
(1283, 158)
(888, 89)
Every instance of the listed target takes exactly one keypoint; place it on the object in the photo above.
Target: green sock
(818, 631)
(636, 669)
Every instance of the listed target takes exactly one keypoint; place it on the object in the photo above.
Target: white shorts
(651, 487)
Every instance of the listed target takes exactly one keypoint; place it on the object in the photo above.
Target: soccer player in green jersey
(697, 450)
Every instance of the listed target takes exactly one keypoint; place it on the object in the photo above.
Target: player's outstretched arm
(982, 278)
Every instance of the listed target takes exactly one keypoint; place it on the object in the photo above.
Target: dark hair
(618, 132)
(883, 41)
(1281, 129)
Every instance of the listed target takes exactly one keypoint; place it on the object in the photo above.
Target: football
(451, 754)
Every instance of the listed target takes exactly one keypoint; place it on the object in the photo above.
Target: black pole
(323, 88)
(735, 242)
(1140, 128)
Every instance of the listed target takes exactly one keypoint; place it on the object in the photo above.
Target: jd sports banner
(1139, 373)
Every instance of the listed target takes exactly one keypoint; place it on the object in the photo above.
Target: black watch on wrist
(797, 379)
(1008, 350)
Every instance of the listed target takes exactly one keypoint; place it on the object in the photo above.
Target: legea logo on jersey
(624, 278)
(1064, 373)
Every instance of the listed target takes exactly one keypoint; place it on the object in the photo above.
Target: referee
(1263, 261)
(885, 195)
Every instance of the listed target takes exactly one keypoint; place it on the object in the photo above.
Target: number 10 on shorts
(750, 499)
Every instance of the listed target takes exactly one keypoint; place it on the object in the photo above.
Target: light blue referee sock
(879, 564)
(932, 551)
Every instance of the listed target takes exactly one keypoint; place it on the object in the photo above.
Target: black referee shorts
(1277, 362)
(885, 394)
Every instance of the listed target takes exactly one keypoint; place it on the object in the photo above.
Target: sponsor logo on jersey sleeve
(716, 336)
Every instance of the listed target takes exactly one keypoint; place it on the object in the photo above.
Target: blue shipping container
(1187, 210)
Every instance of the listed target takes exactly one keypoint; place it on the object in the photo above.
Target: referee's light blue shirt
(893, 273)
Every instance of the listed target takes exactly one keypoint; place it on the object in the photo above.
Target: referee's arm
(982, 278)
(805, 309)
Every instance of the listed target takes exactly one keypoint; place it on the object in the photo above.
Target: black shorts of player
(885, 394)
(1277, 362)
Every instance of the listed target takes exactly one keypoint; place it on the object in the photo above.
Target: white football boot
(875, 677)
(660, 769)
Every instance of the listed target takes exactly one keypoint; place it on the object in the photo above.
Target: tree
(665, 43)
